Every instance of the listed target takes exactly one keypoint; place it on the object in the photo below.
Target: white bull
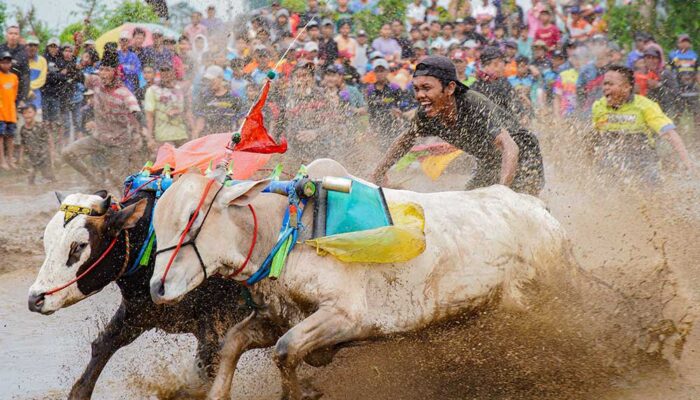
(482, 248)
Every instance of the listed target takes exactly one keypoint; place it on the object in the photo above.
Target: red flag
(254, 136)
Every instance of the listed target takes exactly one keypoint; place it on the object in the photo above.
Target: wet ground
(643, 243)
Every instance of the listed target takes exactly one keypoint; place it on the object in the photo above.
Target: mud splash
(625, 334)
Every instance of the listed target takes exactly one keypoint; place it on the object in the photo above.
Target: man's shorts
(7, 129)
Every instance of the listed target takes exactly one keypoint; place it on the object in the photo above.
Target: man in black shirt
(20, 61)
(492, 84)
(216, 110)
(327, 47)
(506, 153)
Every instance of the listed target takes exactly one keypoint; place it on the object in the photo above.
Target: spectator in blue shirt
(131, 65)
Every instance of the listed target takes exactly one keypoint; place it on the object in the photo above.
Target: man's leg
(3, 163)
(76, 152)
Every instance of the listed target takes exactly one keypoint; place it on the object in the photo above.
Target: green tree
(3, 15)
(129, 11)
(29, 24)
(680, 16)
(91, 31)
(389, 11)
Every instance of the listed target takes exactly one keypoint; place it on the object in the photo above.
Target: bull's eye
(76, 249)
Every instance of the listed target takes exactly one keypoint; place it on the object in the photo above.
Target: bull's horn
(104, 206)
(60, 197)
(101, 193)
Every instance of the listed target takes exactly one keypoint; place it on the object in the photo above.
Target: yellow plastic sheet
(397, 243)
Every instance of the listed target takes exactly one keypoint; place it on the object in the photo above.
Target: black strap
(194, 237)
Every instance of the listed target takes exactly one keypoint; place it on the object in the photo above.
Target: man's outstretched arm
(398, 149)
(509, 157)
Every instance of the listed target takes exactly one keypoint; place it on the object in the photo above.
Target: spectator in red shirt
(547, 32)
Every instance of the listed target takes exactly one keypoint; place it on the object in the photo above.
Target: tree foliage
(389, 10)
(129, 11)
(679, 16)
(3, 15)
(29, 24)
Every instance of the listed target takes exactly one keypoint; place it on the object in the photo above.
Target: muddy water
(642, 243)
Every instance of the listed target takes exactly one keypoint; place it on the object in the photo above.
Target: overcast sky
(57, 13)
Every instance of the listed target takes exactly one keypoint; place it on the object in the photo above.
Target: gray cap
(439, 67)
(380, 62)
(470, 44)
(90, 42)
(361, 32)
(420, 44)
(326, 22)
(213, 72)
(5, 55)
(281, 12)
(53, 41)
(376, 54)
(33, 40)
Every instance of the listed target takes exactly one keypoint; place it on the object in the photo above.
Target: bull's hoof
(78, 393)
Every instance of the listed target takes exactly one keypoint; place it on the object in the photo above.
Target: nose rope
(181, 242)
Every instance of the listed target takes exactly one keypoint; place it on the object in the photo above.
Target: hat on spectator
(260, 48)
(124, 35)
(539, 43)
(439, 67)
(558, 54)
(361, 32)
(490, 53)
(335, 69)
(643, 36)
(614, 47)
(470, 20)
(5, 55)
(157, 31)
(282, 11)
(470, 44)
(213, 72)
(311, 46)
(512, 44)
(435, 45)
(312, 23)
(53, 42)
(33, 40)
(90, 42)
(380, 62)
(652, 52)
(459, 21)
(304, 64)
(459, 55)
(326, 21)
(376, 54)
(684, 37)
(66, 45)
(599, 37)
(522, 59)
(575, 10)
(110, 59)
(419, 44)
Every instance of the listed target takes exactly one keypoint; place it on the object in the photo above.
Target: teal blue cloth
(359, 210)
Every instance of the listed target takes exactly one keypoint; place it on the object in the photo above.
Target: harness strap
(252, 243)
(181, 242)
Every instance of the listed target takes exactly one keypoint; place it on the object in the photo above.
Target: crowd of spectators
(547, 60)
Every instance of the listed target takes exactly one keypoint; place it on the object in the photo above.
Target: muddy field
(637, 247)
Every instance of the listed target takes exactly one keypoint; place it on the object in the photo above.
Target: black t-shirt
(220, 113)
(479, 121)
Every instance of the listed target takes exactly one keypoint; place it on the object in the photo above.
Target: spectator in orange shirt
(9, 85)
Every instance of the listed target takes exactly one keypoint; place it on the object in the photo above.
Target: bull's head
(74, 239)
(222, 241)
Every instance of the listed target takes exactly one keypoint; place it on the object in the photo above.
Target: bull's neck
(269, 209)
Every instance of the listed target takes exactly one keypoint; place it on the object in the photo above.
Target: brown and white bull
(482, 248)
(72, 247)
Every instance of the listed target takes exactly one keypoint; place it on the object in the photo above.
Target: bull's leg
(326, 327)
(252, 333)
(115, 335)
(207, 359)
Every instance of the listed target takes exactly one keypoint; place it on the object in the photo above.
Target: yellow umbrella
(113, 35)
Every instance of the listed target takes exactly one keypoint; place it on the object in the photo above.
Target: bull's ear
(241, 194)
(60, 197)
(126, 218)
(101, 193)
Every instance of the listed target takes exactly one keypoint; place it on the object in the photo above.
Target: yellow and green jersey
(640, 116)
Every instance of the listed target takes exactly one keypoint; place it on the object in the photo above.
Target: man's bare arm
(398, 149)
(678, 145)
(509, 157)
